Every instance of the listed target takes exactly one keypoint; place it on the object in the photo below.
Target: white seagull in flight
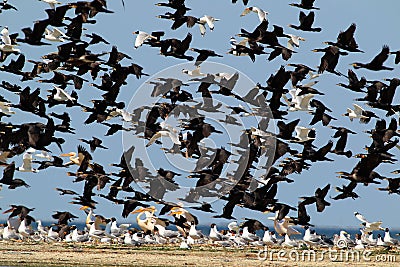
(369, 226)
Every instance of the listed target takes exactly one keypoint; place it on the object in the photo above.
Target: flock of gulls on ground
(73, 60)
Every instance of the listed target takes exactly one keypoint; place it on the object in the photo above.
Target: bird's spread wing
(245, 12)
(381, 57)
(361, 218)
(357, 109)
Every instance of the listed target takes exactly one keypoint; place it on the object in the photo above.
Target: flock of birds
(270, 102)
(99, 229)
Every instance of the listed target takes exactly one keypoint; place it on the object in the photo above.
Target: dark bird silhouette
(44, 164)
(330, 59)
(354, 84)
(66, 192)
(318, 198)
(8, 177)
(18, 210)
(397, 58)
(179, 19)
(305, 4)
(33, 37)
(63, 217)
(177, 48)
(6, 6)
(377, 62)
(203, 55)
(302, 217)
(393, 186)
(94, 143)
(282, 209)
(346, 41)
(346, 191)
(95, 38)
(306, 22)
(342, 133)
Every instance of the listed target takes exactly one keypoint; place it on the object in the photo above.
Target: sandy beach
(67, 254)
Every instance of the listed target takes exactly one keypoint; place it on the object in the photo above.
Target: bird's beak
(66, 155)
(138, 210)
(8, 211)
(84, 208)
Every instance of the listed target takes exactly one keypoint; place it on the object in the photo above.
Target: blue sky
(376, 25)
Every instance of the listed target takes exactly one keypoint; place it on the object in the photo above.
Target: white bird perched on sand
(268, 239)
(25, 229)
(184, 245)
(118, 230)
(168, 131)
(76, 237)
(54, 35)
(9, 233)
(5, 108)
(369, 226)
(206, 20)
(149, 239)
(107, 230)
(52, 3)
(262, 15)
(380, 242)
(165, 232)
(95, 231)
(359, 243)
(128, 239)
(141, 37)
(249, 237)
(289, 242)
(52, 235)
(233, 226)
(345, 239)
(303, 134)
(194, 233)
(27, 163)
(371, 240)
(41, 229)
(298, 102)
(388, 239)
(357, 113)
(194, 73)
(311, 239)
(214, 234)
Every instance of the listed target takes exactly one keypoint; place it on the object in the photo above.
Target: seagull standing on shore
(388, 239)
